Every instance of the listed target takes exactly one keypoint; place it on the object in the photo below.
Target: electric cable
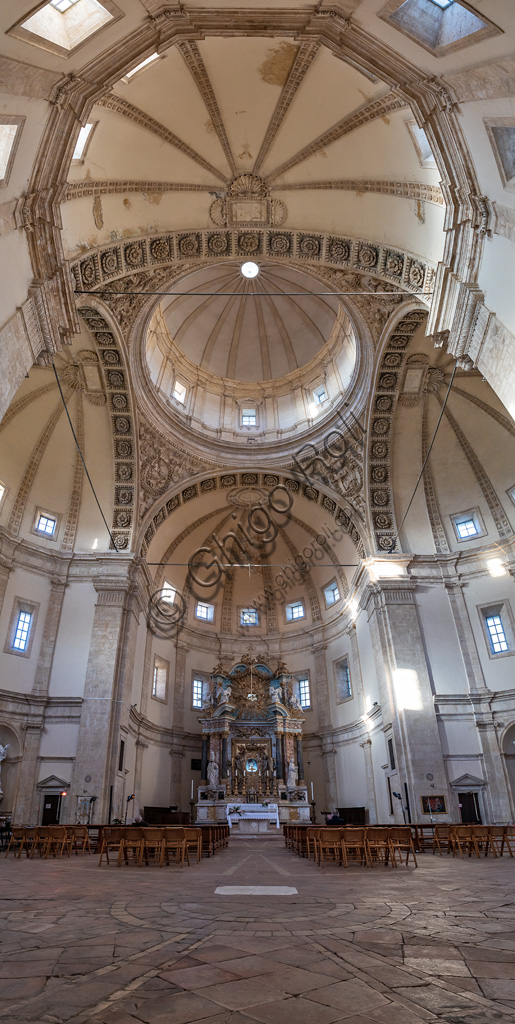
(428, 453)
(75, 438)
(250, 295)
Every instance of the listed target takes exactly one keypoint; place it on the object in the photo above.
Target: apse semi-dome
(266, 356)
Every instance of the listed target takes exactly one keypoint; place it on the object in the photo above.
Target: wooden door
(50, 809)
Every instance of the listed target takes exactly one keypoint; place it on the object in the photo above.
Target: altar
(252, 767)
(253, 817)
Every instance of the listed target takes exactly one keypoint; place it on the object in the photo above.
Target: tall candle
(192, 789)
(312, 797)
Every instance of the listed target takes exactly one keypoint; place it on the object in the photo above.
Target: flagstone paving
(150, 945)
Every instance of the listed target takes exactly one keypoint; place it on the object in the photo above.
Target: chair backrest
(330, 835)
(152, 835)
(377, 835)
(400, 833)
(174, 835)
(353, 836)
(442, 831)
(113, 833)
(80, 831)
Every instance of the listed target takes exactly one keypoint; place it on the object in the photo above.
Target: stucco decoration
(115, 374)
(161, 465)
(342, 515)
(388, 380)
(101, 266)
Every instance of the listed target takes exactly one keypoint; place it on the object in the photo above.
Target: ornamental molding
(380, 422)
(225, 481)
(434, 105)
(112, 361)
(108, 263)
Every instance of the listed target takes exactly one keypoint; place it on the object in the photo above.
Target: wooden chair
(312, 834)
(81, 839)
(57, 841)
(194, 841)
(460, 838)
(175, 842)
(153, 845)
(355, 843)
(17, 841)
(132, 845)
(441, 838)
(479, 840)
(112, 839)
(508, 838)
(379, 847)
(401, 838)
(329, 846)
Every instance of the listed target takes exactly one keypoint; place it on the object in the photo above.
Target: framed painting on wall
(433, 805)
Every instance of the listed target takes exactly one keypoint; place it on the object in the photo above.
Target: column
(177, 746)
(27, 796)
(49, 638)
(223, 774)
(5, 572)
(203, 762)
(465, 634)
(495, 794)
(138, 773)
(279, 765)
(369, 776)
(300, 760)
(405, 688)
(106, 697)
(326, 732)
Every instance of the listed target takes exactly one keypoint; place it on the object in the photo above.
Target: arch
(177, 497)
(380, 423)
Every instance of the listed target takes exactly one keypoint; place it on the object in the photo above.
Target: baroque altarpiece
(252, 745)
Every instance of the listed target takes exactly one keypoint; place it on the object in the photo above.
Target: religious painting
(433, 805)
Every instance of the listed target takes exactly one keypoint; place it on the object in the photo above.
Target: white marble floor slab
(256, 890)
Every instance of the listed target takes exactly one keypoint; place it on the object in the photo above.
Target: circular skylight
(250, 269)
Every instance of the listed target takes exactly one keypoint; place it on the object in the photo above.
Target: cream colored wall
(73, 640)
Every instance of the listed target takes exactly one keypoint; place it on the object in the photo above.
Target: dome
(250, 330)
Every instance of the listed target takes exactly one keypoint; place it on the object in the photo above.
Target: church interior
(257, 453)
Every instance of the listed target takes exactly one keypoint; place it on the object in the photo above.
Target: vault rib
(401, 189)
(198, 71)
(143, 120)
(83, 189)
(213, 337)
(236, 335)
(299, 310)
(303, 61)
(368, 112)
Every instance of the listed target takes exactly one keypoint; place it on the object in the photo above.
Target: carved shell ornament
(247, 185)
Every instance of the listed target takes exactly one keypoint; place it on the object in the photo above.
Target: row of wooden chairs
(369, 846)
(48, 840)
(474, 839)
(155, 844)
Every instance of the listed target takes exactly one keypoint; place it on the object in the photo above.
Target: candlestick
(312, 791)
(192, 789)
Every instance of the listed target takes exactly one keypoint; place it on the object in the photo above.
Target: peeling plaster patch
(210, 128)
(245, 153)
(278, 63)
(152, 197)
(98, 215)
(127, 203)
(420, 211)
(89, 244)
(386, 119)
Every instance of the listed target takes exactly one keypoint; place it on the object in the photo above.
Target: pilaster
(49, 638)
(405, 687)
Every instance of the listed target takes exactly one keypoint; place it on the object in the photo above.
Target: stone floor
(159, 946)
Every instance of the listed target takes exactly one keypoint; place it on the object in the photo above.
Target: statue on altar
(275, 693)
(212, 771)
(293, 771)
